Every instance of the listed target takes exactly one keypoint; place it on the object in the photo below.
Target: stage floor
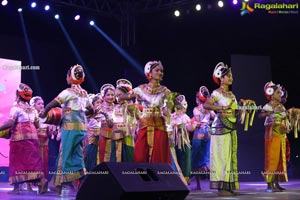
(249, 190)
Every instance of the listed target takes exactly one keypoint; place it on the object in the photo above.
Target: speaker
(124, 181)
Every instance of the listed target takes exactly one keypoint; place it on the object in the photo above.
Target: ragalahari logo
(246, 9)
(270, 8)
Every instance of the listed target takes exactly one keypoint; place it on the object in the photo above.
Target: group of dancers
(146, 124)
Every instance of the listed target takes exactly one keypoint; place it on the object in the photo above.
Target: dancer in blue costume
(75, 105)
(201, 137)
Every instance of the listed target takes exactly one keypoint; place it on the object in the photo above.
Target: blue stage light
(77, 17)
(33, 5)
(47, 7)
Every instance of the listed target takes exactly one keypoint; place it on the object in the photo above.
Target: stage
(249, 190)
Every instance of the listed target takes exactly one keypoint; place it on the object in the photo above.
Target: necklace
(107, 106)
(274, 104)
(202, 110)
(78, 90)
(153, 84)
(26, 107)
(225, 92)
(153, 88)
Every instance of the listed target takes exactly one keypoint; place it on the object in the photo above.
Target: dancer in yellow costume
(223, 146)
(275, 137)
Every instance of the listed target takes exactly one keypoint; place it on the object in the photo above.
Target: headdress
(180, 101)
(96, 97)
(203, 93)
(33, 100)
(124, 84)
(105, 87)
(91, 96)
(269, 89)
(149, 66)
(284, 95)
(76, 73)
(24, 91)
(220, 70)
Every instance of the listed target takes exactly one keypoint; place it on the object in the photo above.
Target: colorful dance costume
(75, 103)
(25, 162)
(201, 137)
(275, 138)
(223, 146)
(42, 138)
(107, 108)
(182, 146)
(152, 144)
(91, 148)
(122, 137)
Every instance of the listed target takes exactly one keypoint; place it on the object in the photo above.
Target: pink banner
(10, 77)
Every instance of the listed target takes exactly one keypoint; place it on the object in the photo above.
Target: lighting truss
(121, 7)
(125, 11)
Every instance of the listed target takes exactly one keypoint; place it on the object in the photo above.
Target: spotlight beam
(131, 60)
(79, 59)
(28, 47)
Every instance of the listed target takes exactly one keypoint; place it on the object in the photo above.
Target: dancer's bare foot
(70, 187)
(197, 187)
(271, 188)
(21, 188)
(16, 189)
(43, 188)
(29, 188)
(225, 193)
(234, 193)
(57, 189)
(277, 186)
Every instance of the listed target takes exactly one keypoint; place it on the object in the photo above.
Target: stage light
(77, 17)
(92, 23)
(123, 52)
(220, 4)
(198, 7)
(33, 5)
(47, 7)
(20, 9)
(246, 0)
(56, 16)
(177, 13)
(234, 2)
(4, 2)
